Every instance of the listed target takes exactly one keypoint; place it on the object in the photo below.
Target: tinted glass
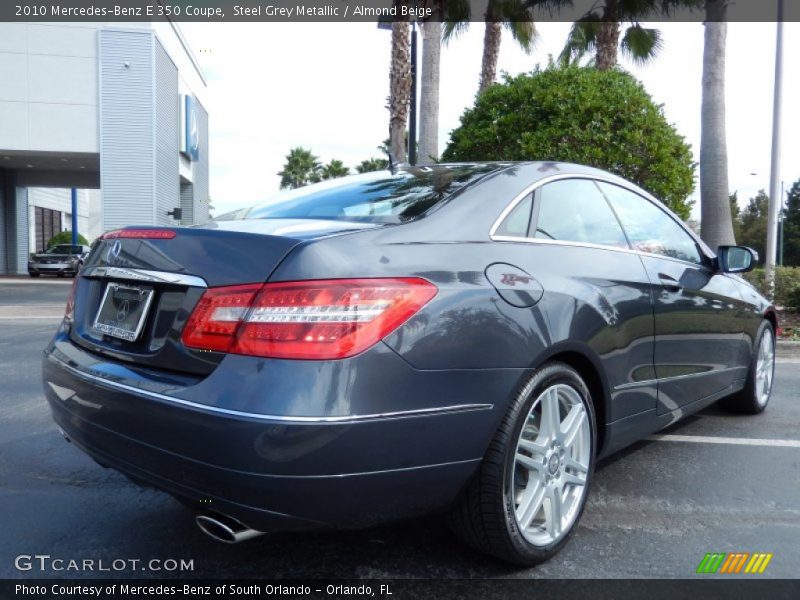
(373, 197)
(649, 228)
(517, 222)
(574, 210)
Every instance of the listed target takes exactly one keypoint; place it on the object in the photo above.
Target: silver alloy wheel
(765, 367)
(551, 465)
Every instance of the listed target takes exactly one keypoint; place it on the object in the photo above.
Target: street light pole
(774, 187)
(74, 202)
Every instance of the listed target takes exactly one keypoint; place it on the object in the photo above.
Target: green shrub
(787, 285)
(603, 119)
(65, 237)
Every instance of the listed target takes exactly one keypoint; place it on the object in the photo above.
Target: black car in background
(61, 260)
(463, 338)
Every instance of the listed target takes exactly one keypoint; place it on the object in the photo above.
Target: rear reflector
(140, 234)
(313, 320)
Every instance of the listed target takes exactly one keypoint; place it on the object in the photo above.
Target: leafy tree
(515, 15)
(598, 30)
(300, 168)
(335, 168)
(605, 119)
(753, 224)
(735, 216)
(372, 164)
(65, 237)
(791, 227)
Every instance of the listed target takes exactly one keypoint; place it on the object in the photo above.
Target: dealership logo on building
(190, 140)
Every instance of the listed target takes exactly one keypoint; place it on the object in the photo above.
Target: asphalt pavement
(716, 482)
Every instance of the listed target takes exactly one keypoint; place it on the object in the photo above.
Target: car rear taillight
(314, 320)
(140, 234)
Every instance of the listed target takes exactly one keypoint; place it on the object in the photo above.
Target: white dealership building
(116, 111)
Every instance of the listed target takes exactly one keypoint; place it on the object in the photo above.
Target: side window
(574, 210)
(649, 228)
(518, 220)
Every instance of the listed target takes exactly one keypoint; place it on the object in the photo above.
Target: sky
(274, 86)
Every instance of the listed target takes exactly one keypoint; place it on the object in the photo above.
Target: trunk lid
(149, 286)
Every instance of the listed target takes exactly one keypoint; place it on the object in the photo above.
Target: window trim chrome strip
(144, 275)
(610, 180)
(344, 419)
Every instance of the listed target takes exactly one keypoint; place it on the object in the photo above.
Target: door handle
(670, 283)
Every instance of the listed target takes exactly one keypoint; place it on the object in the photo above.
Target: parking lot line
(27, 317)
(710, 439)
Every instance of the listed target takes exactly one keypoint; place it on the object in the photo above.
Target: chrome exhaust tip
(225, 529)
(64, 435)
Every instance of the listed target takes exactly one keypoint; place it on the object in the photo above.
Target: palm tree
(372, 164)
(399, 86)
(335, 168)
(715, 208)
(514, 15)
(299, 169)
(429, 85)
(598, 31)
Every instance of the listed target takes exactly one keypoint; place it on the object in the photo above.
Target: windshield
(382, 197)
(65, 249)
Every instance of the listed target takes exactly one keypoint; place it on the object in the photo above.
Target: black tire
(484, 516)
(749, 400)
(34, 274)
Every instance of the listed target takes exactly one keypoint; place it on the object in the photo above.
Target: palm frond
(670, 7)
(549, 7)
(641, 44)
(581, 39)
(636, 10)
(524, 33)
(517, 18)
(456, 16)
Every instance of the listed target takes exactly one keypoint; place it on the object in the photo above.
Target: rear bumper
(272, 472)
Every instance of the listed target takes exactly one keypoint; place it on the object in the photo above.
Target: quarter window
(574, 210)
(518, 221)
(649, 228)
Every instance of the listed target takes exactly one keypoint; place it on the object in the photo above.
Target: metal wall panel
(187, 204)
(200, 173)
(167, 115)
(19, 254)
(127, 128)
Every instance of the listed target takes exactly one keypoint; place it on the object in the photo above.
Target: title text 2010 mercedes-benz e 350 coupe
(465, 338)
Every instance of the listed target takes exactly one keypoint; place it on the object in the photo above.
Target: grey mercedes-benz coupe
(465, 338)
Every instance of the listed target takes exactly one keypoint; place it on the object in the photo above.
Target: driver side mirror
(736, 259)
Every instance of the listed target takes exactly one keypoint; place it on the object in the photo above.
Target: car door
(596, 291)
(697, 311)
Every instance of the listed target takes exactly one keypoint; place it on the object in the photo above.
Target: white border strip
(708, 439)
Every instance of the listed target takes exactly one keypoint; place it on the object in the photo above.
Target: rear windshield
(65, 249)
(382, 196)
